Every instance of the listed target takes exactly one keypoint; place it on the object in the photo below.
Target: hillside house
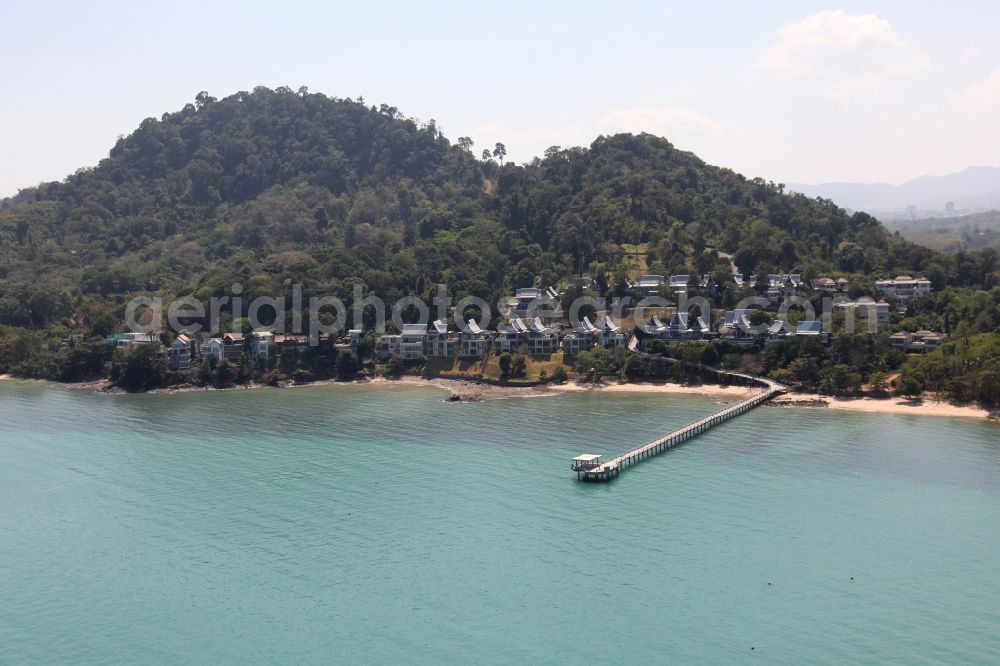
(919, 342)
(903, 287)
(679, 284)
(212, 349)
(648, 285)
(181, 352)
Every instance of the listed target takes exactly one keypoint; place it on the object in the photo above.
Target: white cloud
(971, 53)
(847, 54)
(982, 95)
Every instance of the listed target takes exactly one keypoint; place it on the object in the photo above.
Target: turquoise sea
(384, 525)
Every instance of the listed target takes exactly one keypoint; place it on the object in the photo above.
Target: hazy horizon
(792, 92)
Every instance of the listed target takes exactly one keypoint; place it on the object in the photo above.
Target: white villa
(262, 341)
(904, 287)
(212, 348)
(866, 309)
(475, 342)
(582, 338)
(612, 334)
(509, 336)
(181, 352)
(438, 343)
(542, 339)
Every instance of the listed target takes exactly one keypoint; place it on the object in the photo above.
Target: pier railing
(766, 389)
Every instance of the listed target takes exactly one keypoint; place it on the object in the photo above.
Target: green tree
(518, 366)
(505, 361)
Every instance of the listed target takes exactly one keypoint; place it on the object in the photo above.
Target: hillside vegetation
(274, 184)
(274, 187)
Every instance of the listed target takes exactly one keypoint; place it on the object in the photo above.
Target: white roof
(528, 292)
(414, 329)
(587, 457)
(474, 327)
(610, 325)
(649, 280)
(440, 326)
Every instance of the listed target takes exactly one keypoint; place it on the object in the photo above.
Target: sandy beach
(470, 391)
(890, 405)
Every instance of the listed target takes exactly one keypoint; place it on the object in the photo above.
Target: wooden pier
(589, 467)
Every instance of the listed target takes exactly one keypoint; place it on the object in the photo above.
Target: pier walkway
(590, 467)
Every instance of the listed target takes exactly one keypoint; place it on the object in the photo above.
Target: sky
(795, 92)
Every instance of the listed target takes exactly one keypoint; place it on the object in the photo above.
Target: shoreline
(465, 390)
(889, 405)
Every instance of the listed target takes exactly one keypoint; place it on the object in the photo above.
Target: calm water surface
(385, 525)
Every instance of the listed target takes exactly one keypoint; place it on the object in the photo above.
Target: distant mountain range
(974, 189)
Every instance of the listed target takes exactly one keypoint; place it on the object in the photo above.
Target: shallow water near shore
(383, 524)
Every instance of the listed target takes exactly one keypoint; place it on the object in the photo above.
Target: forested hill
(275, 184)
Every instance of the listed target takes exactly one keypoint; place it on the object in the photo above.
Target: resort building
(679, 284)
(350, 342)
(412, 339)
(212, 349)
(542, 339)
(438, 343)
(389, 345)
(531, 301)
(582, 338)
(904, 287)
(736, 326)
(125, 340)
(648, 285)
(612, 334)
(681, 327)
(919, 342)
(708, 284)
(262, 341)
(811, 327)
(510, 336)
(779, 330)
(181, 352)
(829, 285)
(475, 342)
(782, 286)
(865, 309)
(232, 346)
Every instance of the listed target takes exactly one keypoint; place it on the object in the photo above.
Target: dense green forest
(270, 187)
